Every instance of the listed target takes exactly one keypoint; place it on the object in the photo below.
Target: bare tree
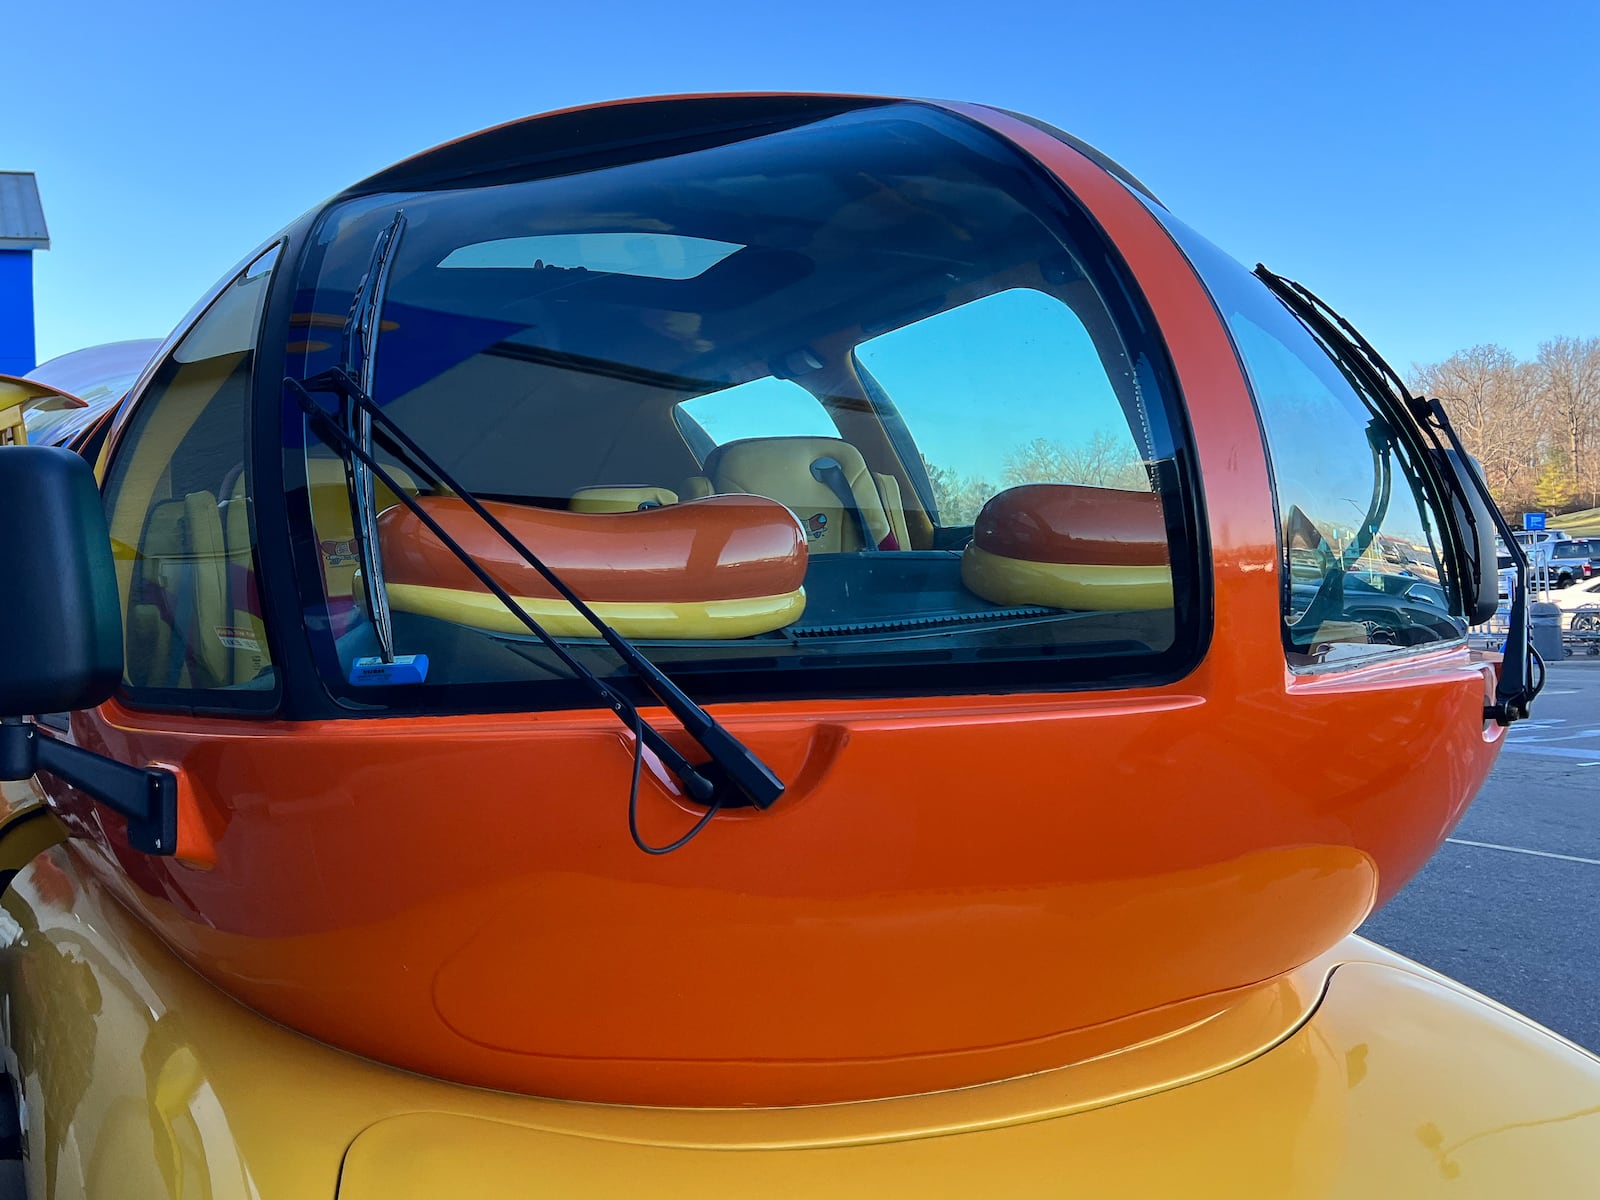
(1104, 461)
(1494, 401)
(958, 497)
(1569, 385)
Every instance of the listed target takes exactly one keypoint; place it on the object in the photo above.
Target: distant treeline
(1535, 426)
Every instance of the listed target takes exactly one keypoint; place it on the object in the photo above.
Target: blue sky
(1432, 169)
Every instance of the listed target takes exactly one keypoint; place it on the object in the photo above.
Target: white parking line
(1556, 736)
(1548, 751)
(1593, 862)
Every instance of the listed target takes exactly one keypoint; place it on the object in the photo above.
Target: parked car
(1399, 610)
(1581, 604)
(1406, 586)
(1572, 561)
(1506, 570)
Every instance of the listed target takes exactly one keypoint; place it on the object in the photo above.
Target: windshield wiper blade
(359, 361)
(734, 768)
(1517, 688)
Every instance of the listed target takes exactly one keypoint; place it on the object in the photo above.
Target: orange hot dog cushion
(720, 567)
(1070, 546)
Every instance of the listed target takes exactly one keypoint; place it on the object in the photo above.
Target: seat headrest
(815, 477)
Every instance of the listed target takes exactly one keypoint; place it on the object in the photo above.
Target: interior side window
(767, 407)
(1051, 413)
(177, 494)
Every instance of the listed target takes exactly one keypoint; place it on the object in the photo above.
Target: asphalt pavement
(1510, 905)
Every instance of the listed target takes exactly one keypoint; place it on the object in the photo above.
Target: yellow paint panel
(142, 1082)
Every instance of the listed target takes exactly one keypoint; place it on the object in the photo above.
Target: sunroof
(652, 255)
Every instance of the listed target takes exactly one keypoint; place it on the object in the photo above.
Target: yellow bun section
(1088, 586)
(680, 620)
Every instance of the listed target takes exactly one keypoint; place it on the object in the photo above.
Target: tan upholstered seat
(620, 498)
(812, 477)
(178, 616)
(246, 635)
(696, 487)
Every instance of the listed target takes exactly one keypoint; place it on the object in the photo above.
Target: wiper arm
(359, 361)
(734, 776)
(1516, 689)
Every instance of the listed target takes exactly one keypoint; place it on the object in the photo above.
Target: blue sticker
(374, 672)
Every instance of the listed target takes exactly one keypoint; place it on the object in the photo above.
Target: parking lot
(1510, 905)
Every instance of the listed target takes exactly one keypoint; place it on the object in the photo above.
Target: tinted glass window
(177, 495)
(1359, 530)
(761, 408)
(878, 413)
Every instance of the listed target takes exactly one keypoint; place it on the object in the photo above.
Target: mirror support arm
(147, 797)
(1517, 687)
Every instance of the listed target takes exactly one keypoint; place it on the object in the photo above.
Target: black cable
(633, 803)
(1535, 659)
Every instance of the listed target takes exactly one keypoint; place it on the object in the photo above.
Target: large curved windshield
(861, 403)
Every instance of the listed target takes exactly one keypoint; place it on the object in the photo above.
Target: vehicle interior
(801, 320)
(862, 390)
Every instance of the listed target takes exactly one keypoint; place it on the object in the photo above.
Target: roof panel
(22, 224)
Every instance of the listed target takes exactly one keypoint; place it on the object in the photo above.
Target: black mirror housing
(59, 604)
(1481, 586)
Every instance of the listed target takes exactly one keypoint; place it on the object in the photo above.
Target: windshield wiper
(733, 777)
(359, 361)
(1516, 688)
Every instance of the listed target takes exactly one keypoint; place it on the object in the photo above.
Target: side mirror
(60, 607)
(59, 603)
(1477, 524)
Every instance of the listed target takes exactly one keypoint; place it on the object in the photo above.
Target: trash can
(1544, 624)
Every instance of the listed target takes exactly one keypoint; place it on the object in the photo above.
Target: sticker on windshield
(236, 637)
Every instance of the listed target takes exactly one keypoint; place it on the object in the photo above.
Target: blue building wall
(16, 312)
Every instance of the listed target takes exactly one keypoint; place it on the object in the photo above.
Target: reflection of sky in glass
(1320, 452)
(977, 382)
(761, 408)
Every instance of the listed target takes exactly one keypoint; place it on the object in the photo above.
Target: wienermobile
(749, 646)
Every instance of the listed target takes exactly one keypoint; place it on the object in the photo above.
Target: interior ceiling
(850, 222)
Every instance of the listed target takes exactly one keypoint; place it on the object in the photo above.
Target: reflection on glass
(841, 396)
(1360, 532)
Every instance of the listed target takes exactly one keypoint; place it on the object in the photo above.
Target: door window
(177, 496)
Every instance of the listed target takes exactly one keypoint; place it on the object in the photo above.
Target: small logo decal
(339, 554)
(816, 526)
